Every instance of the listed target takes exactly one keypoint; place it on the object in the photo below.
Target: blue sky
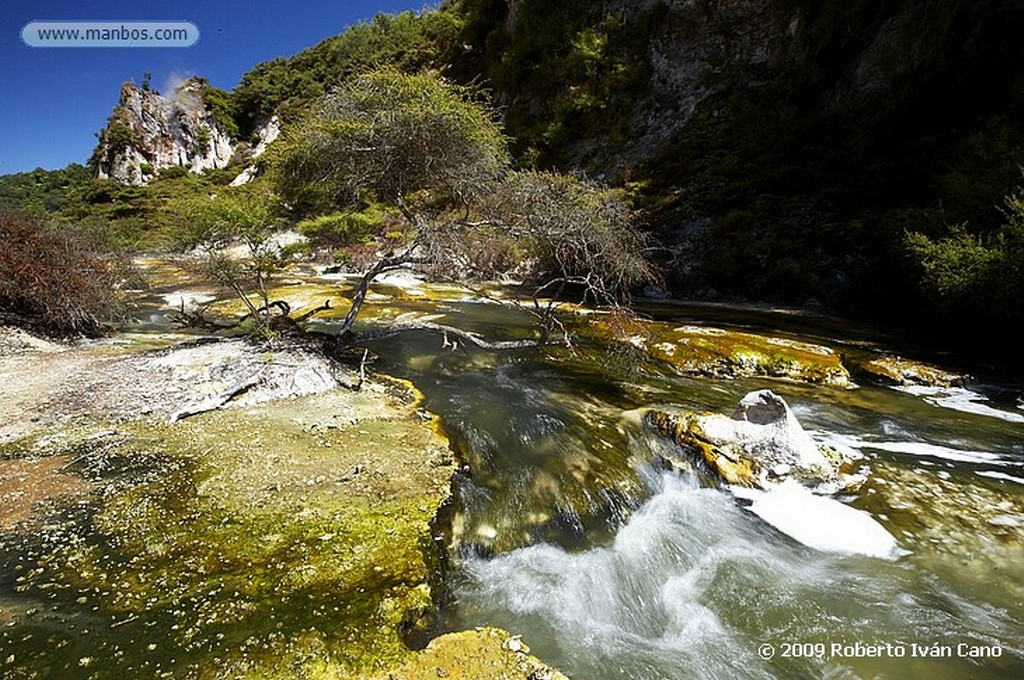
(52, 100)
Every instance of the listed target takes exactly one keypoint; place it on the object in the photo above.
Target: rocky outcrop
(149, 132)
(759, 445)
(698, 49)
(894, 370)
(724, 353)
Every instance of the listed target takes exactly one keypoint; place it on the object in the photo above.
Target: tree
(415, 141)
(435, 153)
(391, 135)
(581, 233)
(243, 216)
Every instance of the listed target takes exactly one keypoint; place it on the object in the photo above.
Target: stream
(565, 530)
(611, 568)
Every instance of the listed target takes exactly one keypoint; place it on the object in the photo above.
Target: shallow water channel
(609, 568)
(566, 533)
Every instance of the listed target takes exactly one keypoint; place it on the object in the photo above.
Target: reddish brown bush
(55, 279)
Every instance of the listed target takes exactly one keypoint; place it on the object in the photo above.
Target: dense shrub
(975, 277)
(574, 231)
(342, 229)
(55, 279)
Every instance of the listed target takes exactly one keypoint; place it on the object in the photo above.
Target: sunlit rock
(724, 353)
(149, 132)
(759, 444)
(480, 653)
(765, 457)
(900, 371)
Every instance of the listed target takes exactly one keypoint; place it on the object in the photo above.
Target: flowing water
(611, 568)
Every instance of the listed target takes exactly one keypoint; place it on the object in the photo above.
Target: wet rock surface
(480, 653)
(760, 444)
(896, 370)
(708, 351)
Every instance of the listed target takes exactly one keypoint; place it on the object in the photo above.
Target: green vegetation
(389, 135)
(571, 71)
(578, 232)
(350, 237)
(42, 191)
(139, 218)
(976, 278)
(431, 151)
(289, 86)
(221, 106)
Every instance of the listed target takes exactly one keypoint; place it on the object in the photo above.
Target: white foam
(960, 399)
(820, 522)
(912, 448)
(992, 474)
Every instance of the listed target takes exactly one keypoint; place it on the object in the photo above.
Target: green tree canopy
(390, 135)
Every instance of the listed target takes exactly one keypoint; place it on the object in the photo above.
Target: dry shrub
(55, 279)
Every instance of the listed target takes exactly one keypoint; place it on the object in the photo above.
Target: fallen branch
(197, 319)
(316, 310)
(471, 338)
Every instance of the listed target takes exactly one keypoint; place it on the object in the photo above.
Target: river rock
(480, 653)
(759, 444)
(896, 370)
(725, 353)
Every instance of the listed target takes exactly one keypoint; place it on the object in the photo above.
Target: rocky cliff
(149, 132)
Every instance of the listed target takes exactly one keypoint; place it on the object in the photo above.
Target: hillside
(860, 158)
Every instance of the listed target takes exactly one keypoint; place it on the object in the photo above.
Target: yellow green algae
(719, 352)
(489, 653)
(283, 540)
(901, 371)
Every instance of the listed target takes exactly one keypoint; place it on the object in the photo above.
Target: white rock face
(763, 429)
(166, 132)
(266, 132)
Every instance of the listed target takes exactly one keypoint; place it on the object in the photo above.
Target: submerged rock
(759, 444)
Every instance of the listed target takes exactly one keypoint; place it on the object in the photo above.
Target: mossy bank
(291, 538)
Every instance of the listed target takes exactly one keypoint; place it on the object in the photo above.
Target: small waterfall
(691, 587)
